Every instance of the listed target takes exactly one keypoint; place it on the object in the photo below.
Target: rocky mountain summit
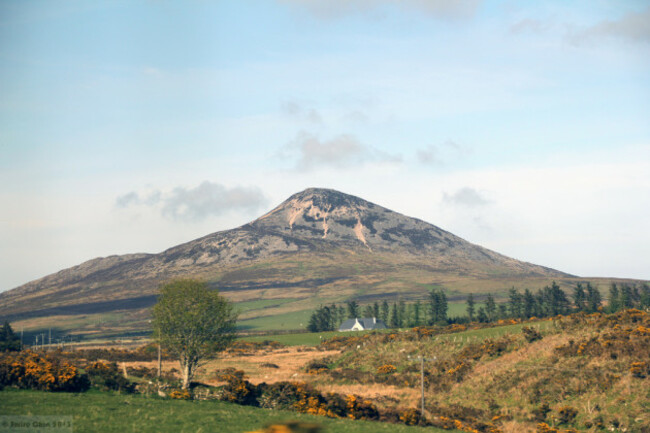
(309, 225)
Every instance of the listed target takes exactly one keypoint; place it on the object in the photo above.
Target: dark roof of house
(366, 322)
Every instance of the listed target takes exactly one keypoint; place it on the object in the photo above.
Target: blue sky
(134, 126)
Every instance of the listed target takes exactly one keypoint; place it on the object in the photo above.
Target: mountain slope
(318, 243)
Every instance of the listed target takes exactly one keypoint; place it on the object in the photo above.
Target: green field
(108, 412)
(315, 338)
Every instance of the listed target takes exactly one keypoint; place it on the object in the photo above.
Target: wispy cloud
(441, 9)
(342, 151)
(634, 27)
(441, 154)
(529, 25)
(301, 112)
(197, 203)
(466, 196)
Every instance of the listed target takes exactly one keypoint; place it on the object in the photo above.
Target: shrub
(531, 334)
(180, 394)
(640, 369)
(386, 369)
(315, 367)
(107, 377)
(541, 412)
(30, 370)
(411, 416)
(567, 414)
(240, 392)
(228, 374)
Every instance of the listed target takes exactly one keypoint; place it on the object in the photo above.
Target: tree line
(546, 302)
(395, 315)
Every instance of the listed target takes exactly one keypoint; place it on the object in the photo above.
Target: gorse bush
(107, 377)
(30, 370)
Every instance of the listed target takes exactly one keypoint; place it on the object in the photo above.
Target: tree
(367, 311)
(353, 309)
(579, 297)
(593, 298)
(614, 305)
(530, 304)
(644, 296)
(491, 308)
(384, 311)
(193, 322)
(9, 342)
(416, 313)
(481, 316)
(515, 303)
(375, 310)
(401, 314)
(471, 309)
(437, 307)
(394, 316)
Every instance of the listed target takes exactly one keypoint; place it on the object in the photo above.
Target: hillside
(317, 246)
(584, 372)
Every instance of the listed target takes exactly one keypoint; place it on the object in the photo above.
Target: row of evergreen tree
(395, 315)
(546, 302)
(552, 300)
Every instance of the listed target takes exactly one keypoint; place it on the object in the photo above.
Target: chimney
(374, 320)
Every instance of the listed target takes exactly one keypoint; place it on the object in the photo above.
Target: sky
(133, 126)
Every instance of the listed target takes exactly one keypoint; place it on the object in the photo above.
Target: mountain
(319, 245)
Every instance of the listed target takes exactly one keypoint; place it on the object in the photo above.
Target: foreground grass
(108, 412)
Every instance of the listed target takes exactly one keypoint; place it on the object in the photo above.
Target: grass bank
(109, 412)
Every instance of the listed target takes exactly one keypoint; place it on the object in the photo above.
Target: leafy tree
(471, 309)
(368, 312)
(193, 323)
(9, 342)
(490, 308)
(353, 309)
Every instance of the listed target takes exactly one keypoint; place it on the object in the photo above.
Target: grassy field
(109, 412)
(315, 338)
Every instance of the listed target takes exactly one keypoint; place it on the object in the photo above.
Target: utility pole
(22, 329)
(422, 384)
(422, 359)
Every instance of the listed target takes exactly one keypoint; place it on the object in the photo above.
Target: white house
(364, 324)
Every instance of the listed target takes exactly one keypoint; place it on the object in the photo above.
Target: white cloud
(342, 151)
(198, 203)
(465, 197)
(634, 27)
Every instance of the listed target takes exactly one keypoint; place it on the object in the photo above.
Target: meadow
(114, 413)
